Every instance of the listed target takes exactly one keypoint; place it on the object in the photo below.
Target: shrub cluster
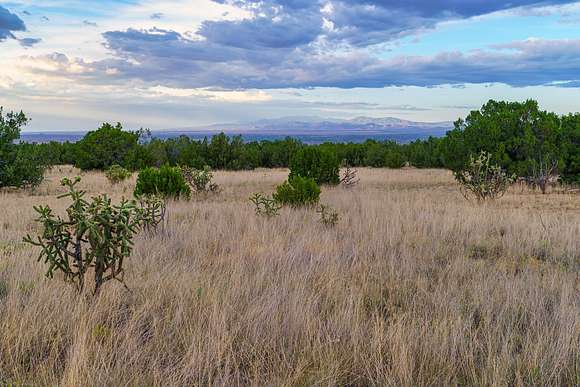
(20, 164)
(297, 191)
(316, 163)
(166, 181)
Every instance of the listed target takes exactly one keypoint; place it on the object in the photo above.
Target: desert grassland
(415, 286)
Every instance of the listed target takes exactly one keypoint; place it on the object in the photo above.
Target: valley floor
(414, 286)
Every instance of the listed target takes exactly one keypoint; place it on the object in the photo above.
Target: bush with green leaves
(166, 181)
(117, 174)
(96, 236)
(317, 163)
(107, 146)
(483, 180)
(264, 205)
(199, 180)
(297, 191)
(21, 165)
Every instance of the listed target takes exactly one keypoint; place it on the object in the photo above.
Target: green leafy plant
(96, 235)
(117, 174)
(200, 180)
(483, 180)
(297, 191)
(107, 146)
(166, 181)
(319, 164)
(328, 215)
(264, 205)
(21, 165)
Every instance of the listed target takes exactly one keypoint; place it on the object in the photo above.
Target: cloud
(9, 23)
(176, 60)
(157, 16)
(90, 23)
(368, 22)
(29, 42)
(316, 43)
(216, 95)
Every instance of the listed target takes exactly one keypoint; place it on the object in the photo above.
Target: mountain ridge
(313, 123)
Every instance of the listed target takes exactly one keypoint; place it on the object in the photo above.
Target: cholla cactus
(116, 174)
(350, 177)
(200, 180)
(153, 209)
(264, 205)
(96, 235)
(328, 215)
(483, 180)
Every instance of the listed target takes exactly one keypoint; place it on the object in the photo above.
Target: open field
(415, 286)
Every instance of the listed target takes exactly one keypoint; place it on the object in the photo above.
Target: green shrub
(20, 164)
(97, 236)
(321, 165)
(166, 181)
(106, 146)
(297, 191)
(116, 174)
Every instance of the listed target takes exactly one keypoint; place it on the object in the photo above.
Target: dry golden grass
(415, 286)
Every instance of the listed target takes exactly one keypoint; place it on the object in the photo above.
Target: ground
(414, 286)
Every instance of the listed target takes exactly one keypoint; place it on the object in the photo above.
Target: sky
(72, 64)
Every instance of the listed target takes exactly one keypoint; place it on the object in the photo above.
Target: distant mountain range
(307, 129)
(309, 125)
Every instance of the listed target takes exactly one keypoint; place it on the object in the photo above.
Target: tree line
(520, 137)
